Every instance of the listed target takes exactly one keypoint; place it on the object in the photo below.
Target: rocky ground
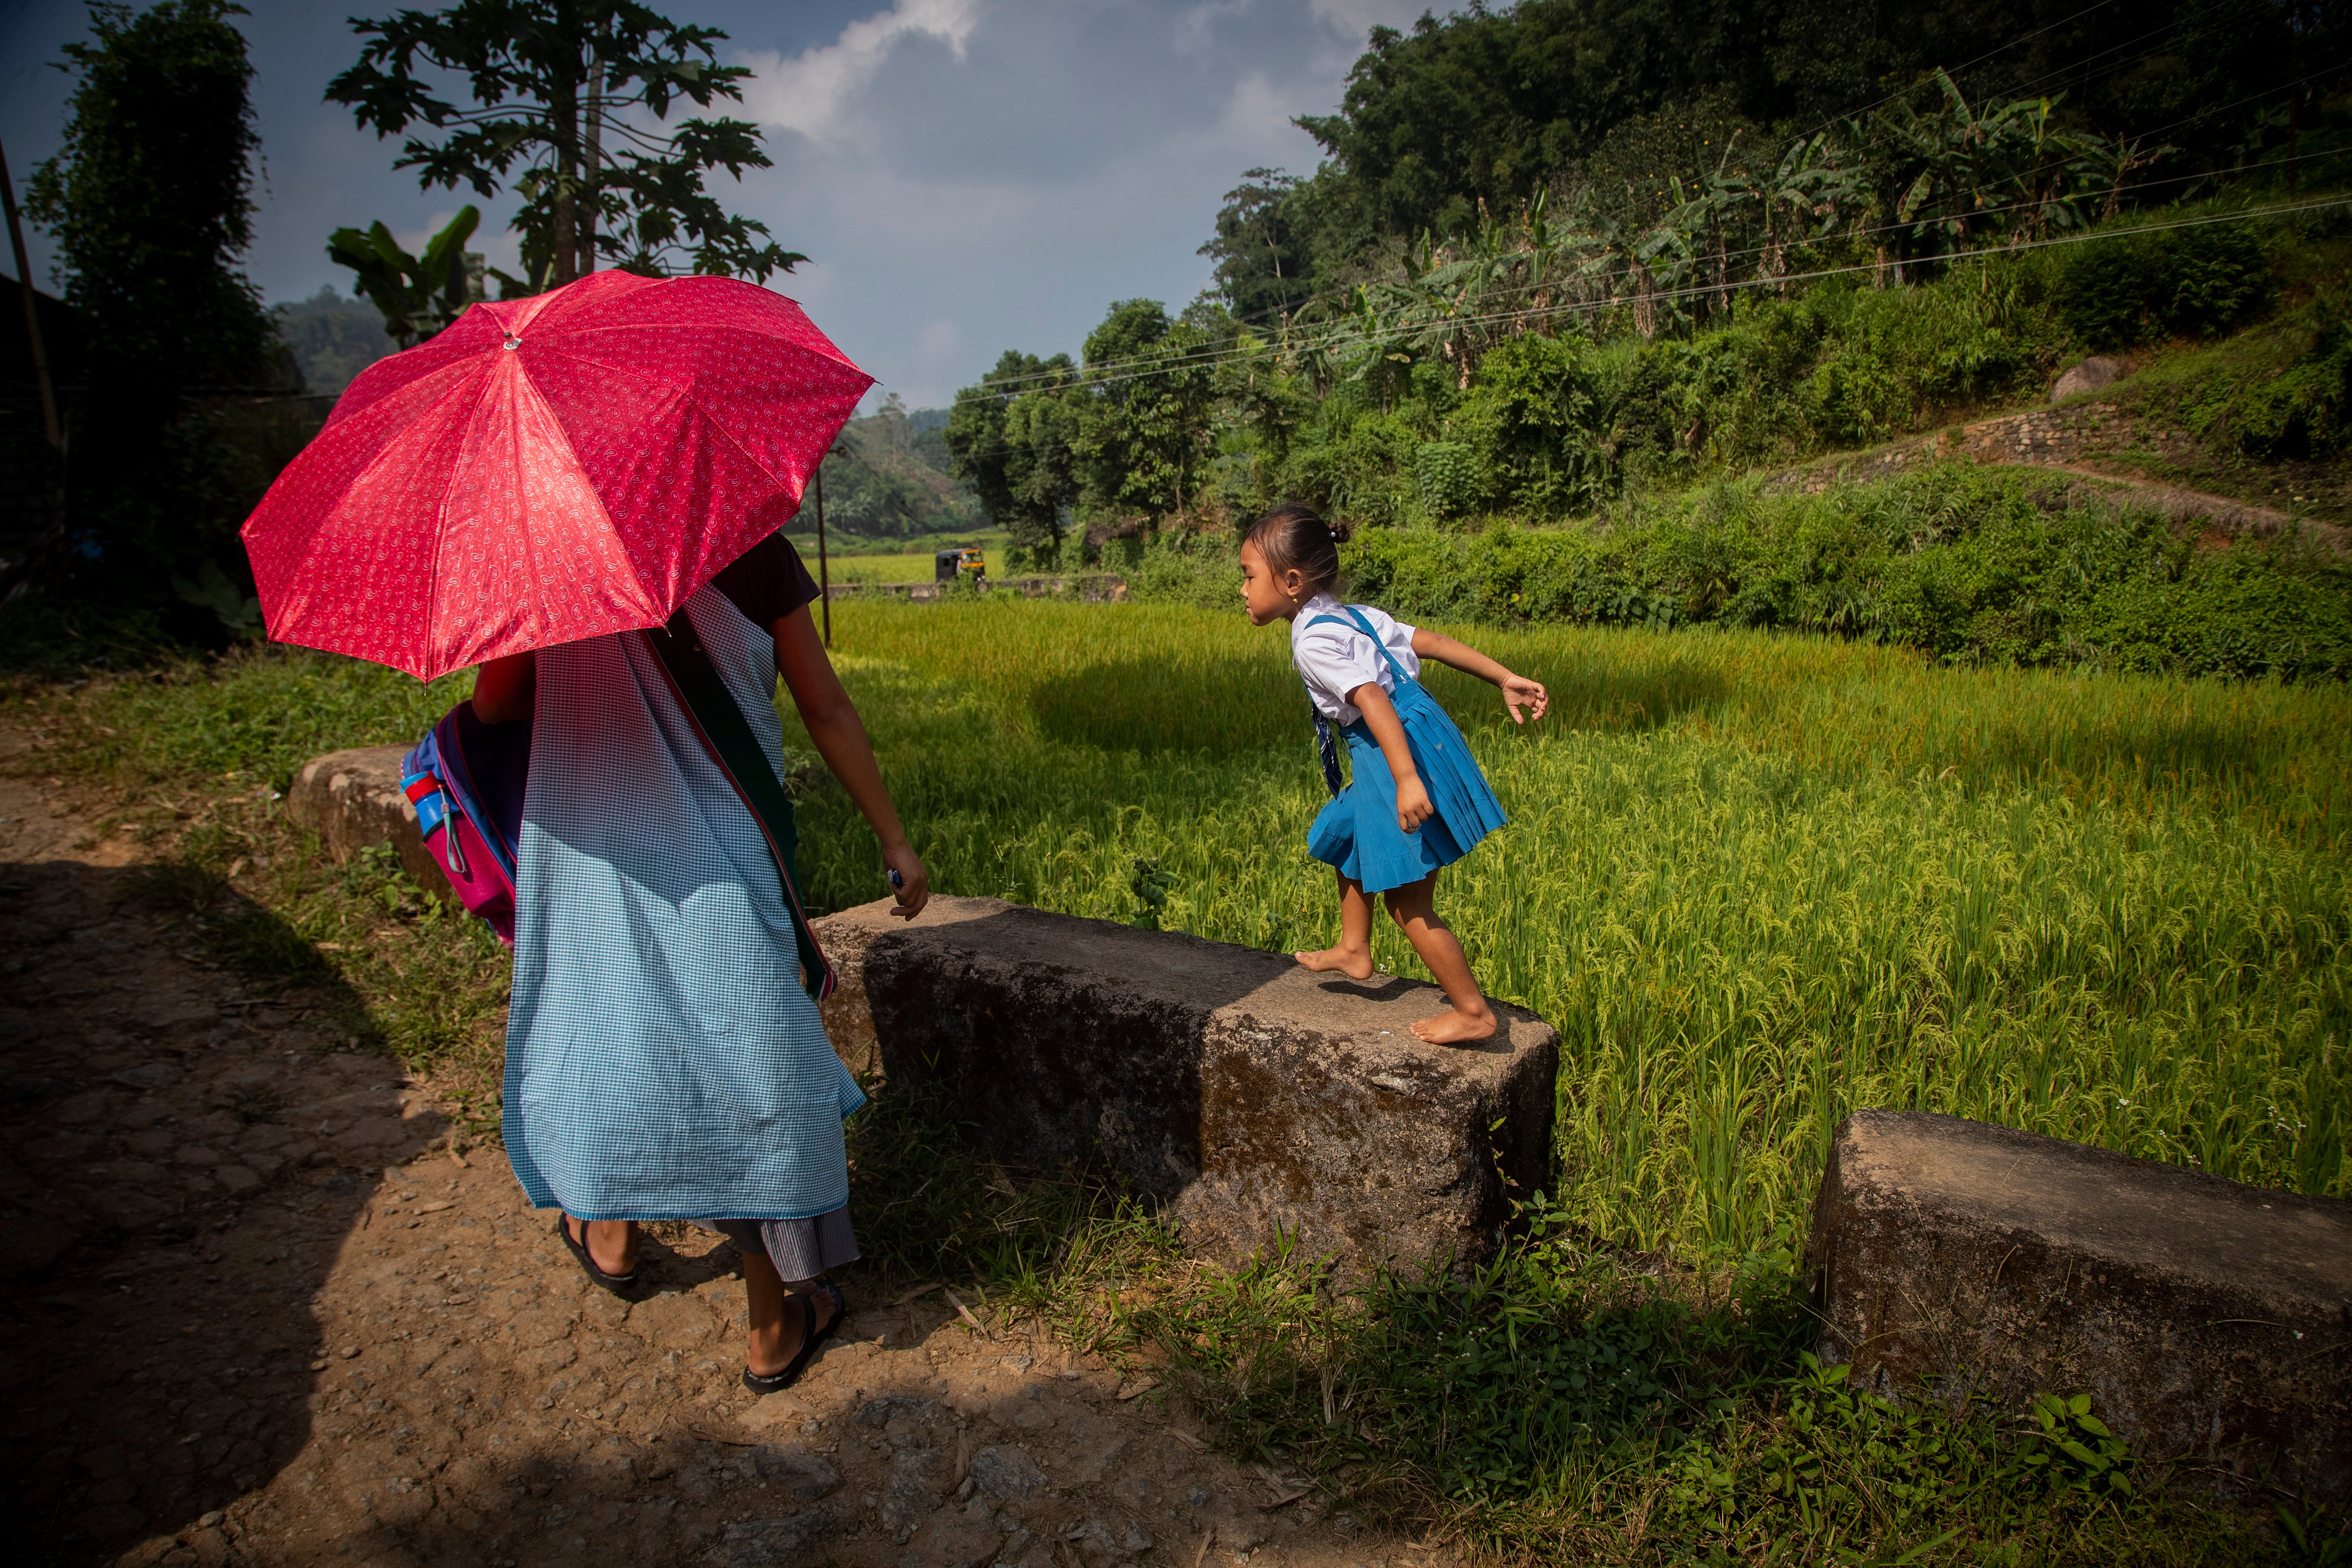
(261, 1312)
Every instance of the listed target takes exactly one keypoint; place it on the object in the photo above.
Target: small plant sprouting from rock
(1150, 886)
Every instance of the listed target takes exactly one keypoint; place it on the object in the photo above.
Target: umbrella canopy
(548, 469)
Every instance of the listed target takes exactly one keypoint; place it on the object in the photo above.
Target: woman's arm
(1413, 807)
(503, 689)
(1517, 688)
(832, 721)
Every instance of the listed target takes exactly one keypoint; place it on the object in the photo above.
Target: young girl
(1418, 801)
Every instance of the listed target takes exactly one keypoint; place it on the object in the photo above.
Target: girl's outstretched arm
(1517, 688)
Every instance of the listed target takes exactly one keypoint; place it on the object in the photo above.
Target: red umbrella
(549, 469)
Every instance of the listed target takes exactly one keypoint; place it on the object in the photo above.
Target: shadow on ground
(183, 1163)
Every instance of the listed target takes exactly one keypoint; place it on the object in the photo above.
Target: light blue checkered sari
(663, 1061)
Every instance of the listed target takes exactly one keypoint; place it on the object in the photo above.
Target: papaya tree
(571, 108)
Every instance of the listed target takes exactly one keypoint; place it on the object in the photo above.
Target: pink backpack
(466, 779)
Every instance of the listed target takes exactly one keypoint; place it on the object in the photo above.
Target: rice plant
(1755, 882)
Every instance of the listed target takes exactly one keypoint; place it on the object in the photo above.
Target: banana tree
(417, 296)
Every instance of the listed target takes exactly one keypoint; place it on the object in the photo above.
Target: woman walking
(664, 1058)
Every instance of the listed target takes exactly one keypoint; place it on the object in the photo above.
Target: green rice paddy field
(1755, 882)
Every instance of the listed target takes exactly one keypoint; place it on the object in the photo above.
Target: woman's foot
(775, 1351)
(611, 1244)
(1455, 1027)
(1355, 964)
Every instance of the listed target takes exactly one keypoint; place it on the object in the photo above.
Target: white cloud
(811, 93)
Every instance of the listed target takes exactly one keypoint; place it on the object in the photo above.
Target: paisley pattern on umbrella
(549, 469)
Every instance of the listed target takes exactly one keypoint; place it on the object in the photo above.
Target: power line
(1211, 354)
(1854, 114)
(1339, 335)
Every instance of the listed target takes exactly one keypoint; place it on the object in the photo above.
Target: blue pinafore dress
(1358, 833)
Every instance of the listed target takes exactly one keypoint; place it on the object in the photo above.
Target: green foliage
(1261, 257)
(554, 89)
(1634, 113)
(2132, 284)
(149, 201)
(1968, 564)
(1142, 436)
(2303, 409)
(1013, 438)
(149, 198)
(417, 296)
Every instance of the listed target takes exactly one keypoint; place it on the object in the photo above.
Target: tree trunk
(563, 113)
(592, 172)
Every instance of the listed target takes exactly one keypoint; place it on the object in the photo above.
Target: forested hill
(1608, 103)
(1563, 253)
(888, 479)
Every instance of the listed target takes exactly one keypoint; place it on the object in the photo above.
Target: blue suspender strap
(1324, 746)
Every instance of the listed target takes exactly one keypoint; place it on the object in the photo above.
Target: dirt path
(262, 1314)
(2069, 440)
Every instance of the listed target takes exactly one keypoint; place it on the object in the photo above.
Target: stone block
(1252, 1097)
(2088, 375)
(352, 799)
(2207, 1320)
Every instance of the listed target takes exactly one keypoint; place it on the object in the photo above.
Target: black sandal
(618, 1284)
(812, 1342)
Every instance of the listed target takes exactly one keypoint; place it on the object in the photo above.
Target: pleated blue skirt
(1357, 832)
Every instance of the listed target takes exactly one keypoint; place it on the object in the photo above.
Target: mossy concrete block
(1256, 1101)
(354, 799)
(2208, 1321)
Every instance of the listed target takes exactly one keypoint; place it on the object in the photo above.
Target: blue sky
(968, 176)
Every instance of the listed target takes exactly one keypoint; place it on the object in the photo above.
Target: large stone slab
(2207, 1319)
(354, 799)
(1252, 1097)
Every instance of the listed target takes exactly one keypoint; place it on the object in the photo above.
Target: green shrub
(2125, 289)
(1969, 565)
(2306, 410)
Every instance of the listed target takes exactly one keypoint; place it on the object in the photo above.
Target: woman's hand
(1518, 689)
(1413, 803)
(832, 722)
(913, 886)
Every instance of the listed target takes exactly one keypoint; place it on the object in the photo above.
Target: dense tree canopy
(149, 197)
(149, 201)
(1480, 111)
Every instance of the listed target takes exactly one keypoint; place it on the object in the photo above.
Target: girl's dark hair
(1297, 536)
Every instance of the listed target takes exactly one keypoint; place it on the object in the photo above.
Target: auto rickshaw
(960, 563)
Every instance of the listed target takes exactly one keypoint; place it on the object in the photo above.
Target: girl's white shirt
(1334, 660)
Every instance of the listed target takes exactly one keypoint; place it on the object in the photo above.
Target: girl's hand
(913, 886)
(1518, 689)
(1413, 803)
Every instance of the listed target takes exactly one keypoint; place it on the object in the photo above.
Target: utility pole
(49, 422)
(824, 579)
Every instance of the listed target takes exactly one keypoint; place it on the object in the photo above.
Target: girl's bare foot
(1355, 965)
(1453, 1027)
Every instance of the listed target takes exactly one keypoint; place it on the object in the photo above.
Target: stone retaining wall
(2209, 1322)
(1097, 588)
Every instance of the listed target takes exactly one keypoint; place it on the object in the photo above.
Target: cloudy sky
(968, 176)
